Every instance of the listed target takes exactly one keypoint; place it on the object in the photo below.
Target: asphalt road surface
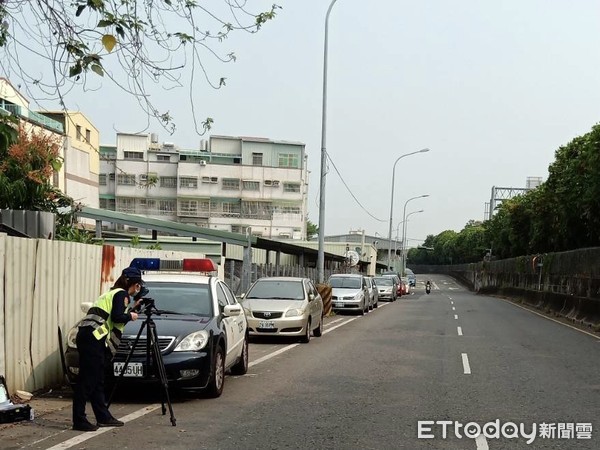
(449, 356)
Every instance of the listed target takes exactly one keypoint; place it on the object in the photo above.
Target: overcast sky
(492, 88)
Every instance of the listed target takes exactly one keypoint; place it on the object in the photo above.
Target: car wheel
(217, 377)
(371, 306)
(241, 367)
(318, 332)
(305, 339)
(376, 304)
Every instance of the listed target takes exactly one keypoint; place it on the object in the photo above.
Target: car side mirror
(311, 297)
(232, 310)
(85, 307)
(242, 295)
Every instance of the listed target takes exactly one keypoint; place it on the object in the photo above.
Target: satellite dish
(352, 257)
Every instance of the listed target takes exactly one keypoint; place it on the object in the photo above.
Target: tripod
(153, 357)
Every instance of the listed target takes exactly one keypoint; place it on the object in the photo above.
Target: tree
(27, 163)
(311, 230)
(132, 43)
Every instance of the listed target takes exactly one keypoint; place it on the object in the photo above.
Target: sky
(491, 88)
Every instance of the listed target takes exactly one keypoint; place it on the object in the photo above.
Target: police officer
(100, 329)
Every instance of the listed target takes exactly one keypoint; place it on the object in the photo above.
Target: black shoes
(112, 422)
(85, 426)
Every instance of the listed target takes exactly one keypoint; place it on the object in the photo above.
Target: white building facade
(229, 183)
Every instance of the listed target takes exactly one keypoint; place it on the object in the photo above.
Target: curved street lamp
(321, 251)
(404, 239)
(404, 227)
(392, 203)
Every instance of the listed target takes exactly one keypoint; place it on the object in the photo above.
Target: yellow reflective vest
(98, 317)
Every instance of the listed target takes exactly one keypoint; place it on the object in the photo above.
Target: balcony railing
(33, 116)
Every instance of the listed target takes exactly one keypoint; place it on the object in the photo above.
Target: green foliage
(135, 241)
(311, 230)
(152, 42)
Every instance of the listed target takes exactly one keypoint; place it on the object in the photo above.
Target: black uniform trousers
(90, 382)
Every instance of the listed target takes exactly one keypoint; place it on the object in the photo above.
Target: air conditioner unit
(202, 162)
(275, 183)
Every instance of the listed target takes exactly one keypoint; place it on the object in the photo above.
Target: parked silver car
(284, 306)
(386, 288)
(349, 293)
(373, 293)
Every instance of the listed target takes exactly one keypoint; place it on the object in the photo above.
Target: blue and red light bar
(181, 265)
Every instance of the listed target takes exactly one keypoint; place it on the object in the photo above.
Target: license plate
(338, 305)
(133, 369)
(266, 324)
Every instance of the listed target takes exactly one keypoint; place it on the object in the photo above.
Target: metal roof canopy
(182, 229)
(165, 226)
(292, 249)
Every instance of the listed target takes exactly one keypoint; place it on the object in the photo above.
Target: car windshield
(181, 298)
(277, 290)
(383, 281)
(345, 282)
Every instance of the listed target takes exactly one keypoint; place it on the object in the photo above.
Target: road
(366, 384)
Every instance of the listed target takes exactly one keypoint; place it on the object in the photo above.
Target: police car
(202, 330)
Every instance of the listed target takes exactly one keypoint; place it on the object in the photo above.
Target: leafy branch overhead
(131, 43)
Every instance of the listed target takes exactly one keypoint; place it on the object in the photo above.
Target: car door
(240, 321)
(318, 302)
(313, 304)
(229, 325)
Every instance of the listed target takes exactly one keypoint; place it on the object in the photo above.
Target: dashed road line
(453, 308)
(455, 316)
(459, 329)
(466, 366)
(481, 442)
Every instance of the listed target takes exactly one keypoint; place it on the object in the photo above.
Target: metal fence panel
(19, 277)
(2, 264)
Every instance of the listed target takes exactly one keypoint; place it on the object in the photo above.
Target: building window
(138, 156)
(163, 158)
(251, 185)
(272, 183)
(168, 182)
(78, 130)
(291, 187)
(212, 180)
(257, 159)
(102, 179)
(126, 180)
(107, 203)
(236, 228)
(188, 182)
(167, 207)
(88, 136)
(188, 208)
(111, 177)
(126, 205)
(231, 184)
(288, 160)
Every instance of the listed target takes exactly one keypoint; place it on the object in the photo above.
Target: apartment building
(78, 176)
(228, 183)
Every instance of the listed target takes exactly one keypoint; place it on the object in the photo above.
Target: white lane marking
(453, 308)
(334, 321)
(89, 435)
(455, 316)
(549, 318)
(452, 303)
(278, 352)
(340, 325)
(466, 366)
(481, 442)
(459, 329)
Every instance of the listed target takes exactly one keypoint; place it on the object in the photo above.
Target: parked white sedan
(284, 306)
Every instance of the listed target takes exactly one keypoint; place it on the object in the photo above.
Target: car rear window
(277, 290)
(383, 281)
(182, 298)
(345, 282)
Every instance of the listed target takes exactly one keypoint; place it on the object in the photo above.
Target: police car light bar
(182, 265)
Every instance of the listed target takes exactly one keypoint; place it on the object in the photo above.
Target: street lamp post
(392, 204)
(404, 227)
(321, 251)
(404, 239)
